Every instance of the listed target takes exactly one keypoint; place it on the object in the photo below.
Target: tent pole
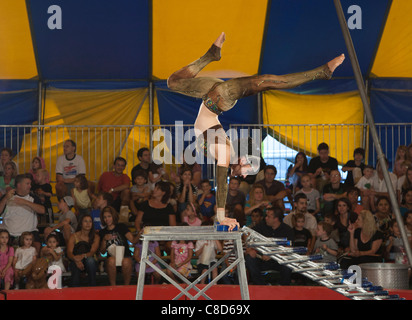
(369, 118)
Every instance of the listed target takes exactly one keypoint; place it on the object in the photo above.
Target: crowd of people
(348, 222)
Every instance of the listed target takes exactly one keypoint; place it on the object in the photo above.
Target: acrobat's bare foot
(333, 64)
(216, 47)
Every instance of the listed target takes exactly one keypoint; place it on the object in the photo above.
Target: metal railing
(100, 144)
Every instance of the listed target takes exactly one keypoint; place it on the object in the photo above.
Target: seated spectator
(196, 170)
(325, 244)
(67, 224)
(332, 219)
(6, 155)
(6, 260)
(156, 211)
(236, 200)
(297, 171)
(365, 185)
(257, 200)
(303, 237)
(207, 201)
(190, 215)
(36, 164)
(81, 249)
(44, 191)
(180, 258)
(408, 202)
(145, 160)
(156, 173)
(115, 233)
(81, 195)
(257, 217)
(353, 195)
(300, 207)
(400, 157)
(365, 242)
(20, 210)
(383, 216)
(103, 200)
(394, 247)
(404, 182)
(333, 191)
(68, 166)
(378, 182)
(311, 193)
(117, 184)
(185, 190)
(354, 167)
(271, 227)
(275, 190)
(7, 180)
(139, 192)
(345, 217)
(318, 164)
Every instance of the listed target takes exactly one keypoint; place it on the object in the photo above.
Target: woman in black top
(156, 211)
(365, 241)
(119, 235)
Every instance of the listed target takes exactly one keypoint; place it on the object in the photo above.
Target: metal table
(191, 233)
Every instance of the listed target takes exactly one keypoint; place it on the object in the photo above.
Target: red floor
(168, 292)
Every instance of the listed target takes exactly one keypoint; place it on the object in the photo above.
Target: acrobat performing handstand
(219, 96)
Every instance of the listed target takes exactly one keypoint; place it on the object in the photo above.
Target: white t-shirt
(209, 251)
(17, 219)
(364, 182)
(380, 185)
(69, 169)
(24, 257)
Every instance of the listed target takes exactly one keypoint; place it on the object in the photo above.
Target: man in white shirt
(68, 166)
(20, 209)
(378, 182)
(301, 206)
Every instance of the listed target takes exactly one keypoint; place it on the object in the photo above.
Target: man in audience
(20, 210)
(318, 164)
(275, 190)
(271, 227)
(68, 166)
(301, 206)
(117, 184)
(145, 161)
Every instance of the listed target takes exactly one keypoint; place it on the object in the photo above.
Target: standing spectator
(117, 184)
(275, 190)
(272, 227)
(21, 209)
(115, 233)
(354, 167)
(81, 249)
(68, 166)
(318, 164)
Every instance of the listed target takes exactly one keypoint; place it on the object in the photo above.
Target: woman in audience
(156, 211)
(383, 215)
(81, 249)
(7, 180)
(257, 199)
(365, 241)
(345, 217)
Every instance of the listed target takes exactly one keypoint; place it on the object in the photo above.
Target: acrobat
(219, 96)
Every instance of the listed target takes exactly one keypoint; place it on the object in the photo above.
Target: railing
(99, 145)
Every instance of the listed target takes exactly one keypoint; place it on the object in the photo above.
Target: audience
(363, 235)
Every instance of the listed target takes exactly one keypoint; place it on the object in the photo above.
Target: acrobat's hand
(231, 223)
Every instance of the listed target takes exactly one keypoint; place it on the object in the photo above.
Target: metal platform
(191, 233)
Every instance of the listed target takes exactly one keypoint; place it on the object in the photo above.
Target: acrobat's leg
(225, 94)
(184, 81)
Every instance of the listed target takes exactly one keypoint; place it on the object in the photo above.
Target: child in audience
(303, 237)
(190, 216)
(324, 244)
(400, 156)
(311, 193)
(353, 196)
(207, 201)
(24, 255)
(257, 217)
(43, 189)
(365, 185)
(81, 195)
(206, 251)
(36, 164)
(394, 248)
(52, 248)
(180, 257)
(404, 179)
(331, 219)
(140, 191)
(6, 259)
